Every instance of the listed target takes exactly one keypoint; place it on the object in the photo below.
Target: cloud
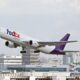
(2, 3)
(39, 7)
(75, 4)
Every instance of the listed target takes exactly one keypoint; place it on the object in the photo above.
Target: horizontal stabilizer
(55, 43)
(69, 51)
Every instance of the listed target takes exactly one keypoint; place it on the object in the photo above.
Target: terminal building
(38, 68)
(71, 58)
(30, 58)
(10, 60)
(34, 64)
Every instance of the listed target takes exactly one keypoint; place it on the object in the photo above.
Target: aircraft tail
(65, 38)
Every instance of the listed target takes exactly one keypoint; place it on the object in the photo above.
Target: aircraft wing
(55, 43)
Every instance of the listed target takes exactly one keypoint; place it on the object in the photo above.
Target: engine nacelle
(10, 44)
(33, 43)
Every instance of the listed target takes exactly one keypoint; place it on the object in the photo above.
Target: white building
(76, 57)
(71, 58)
(10, 60)
(32, 58)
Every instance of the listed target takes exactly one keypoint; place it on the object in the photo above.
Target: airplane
(15, 39)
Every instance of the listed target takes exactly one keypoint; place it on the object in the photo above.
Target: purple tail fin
(61, 47)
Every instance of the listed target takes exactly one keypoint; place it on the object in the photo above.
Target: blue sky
(42, 19)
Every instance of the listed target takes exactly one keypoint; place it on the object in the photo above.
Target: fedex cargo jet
(15, 39)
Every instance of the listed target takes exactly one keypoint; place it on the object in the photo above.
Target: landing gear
(22, 51)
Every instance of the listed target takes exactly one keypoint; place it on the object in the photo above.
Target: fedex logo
(13, 33)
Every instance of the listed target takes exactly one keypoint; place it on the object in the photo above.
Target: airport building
(30, 58)
(38, 68)
(10, 60)
(71, 58)
(20, 59)
(15, 63)
(68, 59)
(12, 68)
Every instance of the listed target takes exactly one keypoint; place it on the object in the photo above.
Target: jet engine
(10, 44)
(33, 43)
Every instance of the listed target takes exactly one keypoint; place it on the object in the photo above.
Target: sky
(41, 19)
